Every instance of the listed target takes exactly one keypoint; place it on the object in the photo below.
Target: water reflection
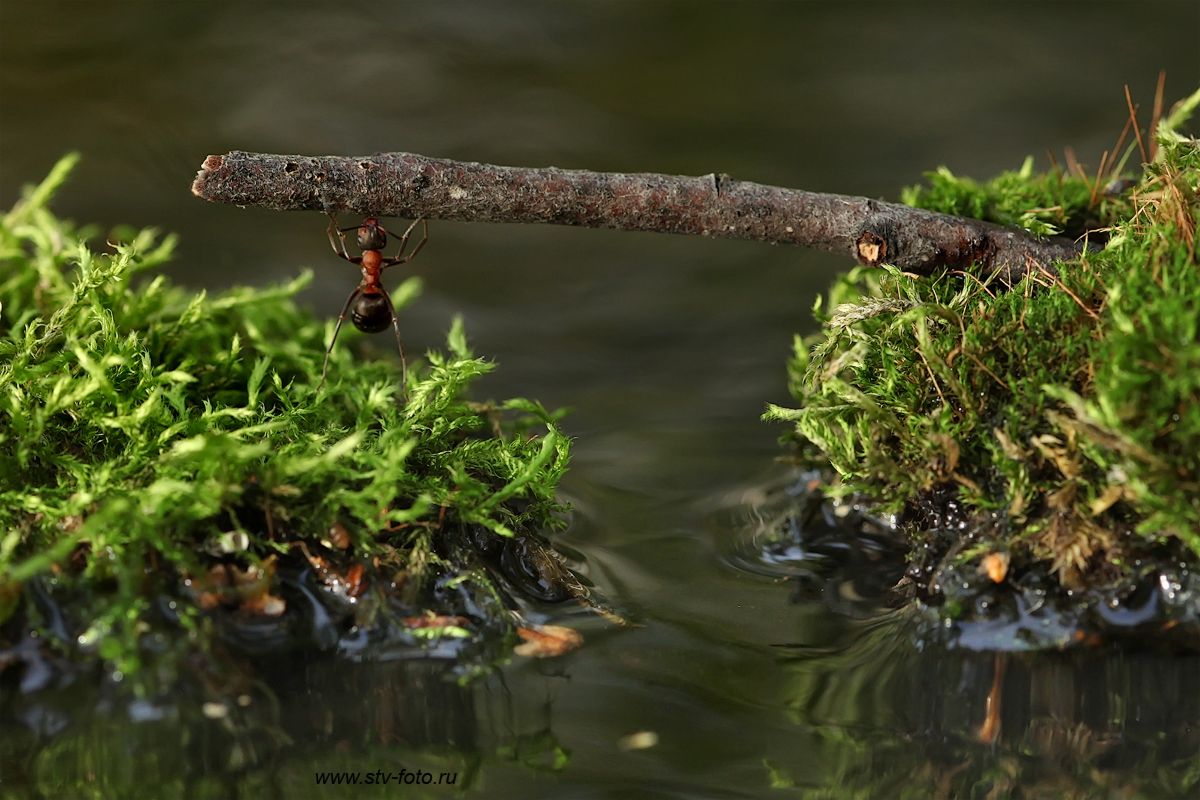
(895, 702)
(791, 679)
(891, 719)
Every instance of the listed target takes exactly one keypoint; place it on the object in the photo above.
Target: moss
(1061, 413)
(1043, 204)
(156, 442)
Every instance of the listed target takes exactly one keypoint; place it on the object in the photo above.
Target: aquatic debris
(640, 740)
(995, 566)
(954, 589)
(338, 537)
(248, 589)
(547, 641)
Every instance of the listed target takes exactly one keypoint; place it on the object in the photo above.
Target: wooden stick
(409, 185)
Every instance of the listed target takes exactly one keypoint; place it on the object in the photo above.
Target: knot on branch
(923, 242)
(875, 243)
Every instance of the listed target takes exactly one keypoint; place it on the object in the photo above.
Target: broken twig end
(210, 165)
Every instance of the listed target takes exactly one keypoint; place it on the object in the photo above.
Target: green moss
(1064, 410)
(1043, 204)
(147, 432)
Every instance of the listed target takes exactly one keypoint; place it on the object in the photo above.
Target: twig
(410, 185)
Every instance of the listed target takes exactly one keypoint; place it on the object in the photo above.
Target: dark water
(666, 348)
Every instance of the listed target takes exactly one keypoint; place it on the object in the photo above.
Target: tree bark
(410, 185)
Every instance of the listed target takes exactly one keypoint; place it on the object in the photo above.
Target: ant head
(371, 312)
(371, 235)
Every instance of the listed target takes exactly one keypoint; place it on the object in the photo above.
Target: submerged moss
(1060, 413)
(157, 443)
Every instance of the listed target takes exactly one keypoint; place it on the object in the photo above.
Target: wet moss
(167, 457)
(1058, 416)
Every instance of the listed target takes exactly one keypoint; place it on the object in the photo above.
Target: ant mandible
(372, 307)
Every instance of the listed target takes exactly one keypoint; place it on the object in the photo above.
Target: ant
(373, 308)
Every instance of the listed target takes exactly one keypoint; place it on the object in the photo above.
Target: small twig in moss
(410, 185)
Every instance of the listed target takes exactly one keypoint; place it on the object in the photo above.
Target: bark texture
(410, 185)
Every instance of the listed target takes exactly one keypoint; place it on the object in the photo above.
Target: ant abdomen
(371, 313)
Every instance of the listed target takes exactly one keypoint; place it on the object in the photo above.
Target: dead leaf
(338, 537)
(642, 740)
(1063, 457)
(264, 605)
(1008, 446)
(547, 641)
(995, 566)
(1106, 500)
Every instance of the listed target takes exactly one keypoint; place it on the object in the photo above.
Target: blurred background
(666, 348)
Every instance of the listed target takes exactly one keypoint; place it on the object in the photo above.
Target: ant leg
(337, 328)
(399, 346)
(333, 230)
(400, 258)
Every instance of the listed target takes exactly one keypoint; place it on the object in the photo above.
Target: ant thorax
(371, 261)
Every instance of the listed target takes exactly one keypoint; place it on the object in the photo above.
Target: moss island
(168, 464)
(1050, 426)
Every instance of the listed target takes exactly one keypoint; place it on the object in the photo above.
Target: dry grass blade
(1156, 114)
(1137, 131)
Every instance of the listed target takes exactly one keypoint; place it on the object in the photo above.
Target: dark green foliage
(146, 431)
(1064, 410)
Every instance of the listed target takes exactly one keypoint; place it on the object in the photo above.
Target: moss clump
(1044, 204)
(158, 443)
(1061, 411)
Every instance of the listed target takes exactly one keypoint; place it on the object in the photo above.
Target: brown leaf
(338, 537)
(264, 605)
(1106, 500)
(547, 641)
(995, 565)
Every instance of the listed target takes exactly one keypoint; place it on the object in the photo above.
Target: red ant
(373, 308)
